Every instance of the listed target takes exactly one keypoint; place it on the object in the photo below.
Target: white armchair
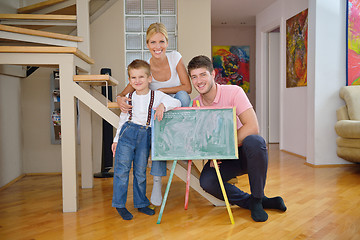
(348, 125)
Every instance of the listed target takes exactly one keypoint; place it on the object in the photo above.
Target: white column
(68, 137)
(83, 25)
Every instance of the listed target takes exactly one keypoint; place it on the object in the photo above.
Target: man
(253, 158)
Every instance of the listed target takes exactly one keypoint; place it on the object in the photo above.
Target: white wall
(293, 101)
(308, 114)
(327, 41)
(107, 48)
(10, 129)
(39, 155)
(239, 36)
(194, 30)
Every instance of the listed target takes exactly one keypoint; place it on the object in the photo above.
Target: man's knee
(254, 147)
(252, 141)
(206, 183)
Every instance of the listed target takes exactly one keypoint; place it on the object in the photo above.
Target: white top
(140, 108)
(174, 81)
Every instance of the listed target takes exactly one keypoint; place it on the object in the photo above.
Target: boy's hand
(113, 148)
(159, 113)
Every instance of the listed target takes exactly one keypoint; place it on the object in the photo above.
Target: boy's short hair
(138, 64)
(200, 61)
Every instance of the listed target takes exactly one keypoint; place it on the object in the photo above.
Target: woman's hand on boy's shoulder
(123, 103)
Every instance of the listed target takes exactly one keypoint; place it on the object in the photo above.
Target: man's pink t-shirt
(230, 96)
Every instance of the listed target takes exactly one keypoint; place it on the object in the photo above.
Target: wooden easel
(221, 185)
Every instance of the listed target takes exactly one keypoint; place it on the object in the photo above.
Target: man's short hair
(200, 61)
(138, 64)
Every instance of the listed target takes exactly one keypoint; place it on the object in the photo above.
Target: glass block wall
(139, 14)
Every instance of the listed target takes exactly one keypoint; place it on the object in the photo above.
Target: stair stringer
(95, 105)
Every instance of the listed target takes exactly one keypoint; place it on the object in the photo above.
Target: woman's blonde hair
(156, 28)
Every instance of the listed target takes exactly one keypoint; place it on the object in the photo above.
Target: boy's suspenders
(149, 109)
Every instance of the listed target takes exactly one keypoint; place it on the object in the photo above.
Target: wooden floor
(323, 203)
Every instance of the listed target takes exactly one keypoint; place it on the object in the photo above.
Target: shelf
(55, 112)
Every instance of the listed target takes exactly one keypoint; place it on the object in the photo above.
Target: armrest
(348, 128)
(342, 113)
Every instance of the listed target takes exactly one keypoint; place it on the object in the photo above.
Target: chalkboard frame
(227, 114)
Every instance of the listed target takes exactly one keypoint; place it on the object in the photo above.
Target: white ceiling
(236, 12)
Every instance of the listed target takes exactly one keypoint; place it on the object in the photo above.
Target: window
(139, 14)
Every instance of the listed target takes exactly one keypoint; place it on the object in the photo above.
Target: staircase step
(38, 17)
(30, 49)
(96, 80)
(40, 33)
(113, 105)
(38, 6)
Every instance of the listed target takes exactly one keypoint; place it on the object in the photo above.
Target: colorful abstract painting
(296, 50)
(353, 43)
(231, 64)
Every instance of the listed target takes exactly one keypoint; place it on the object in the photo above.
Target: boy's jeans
(133, 146)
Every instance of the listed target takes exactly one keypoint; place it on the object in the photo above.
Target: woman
(169, 75)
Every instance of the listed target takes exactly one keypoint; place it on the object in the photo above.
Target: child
(133, 137)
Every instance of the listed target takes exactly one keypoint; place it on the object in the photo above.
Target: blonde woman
(169, 75)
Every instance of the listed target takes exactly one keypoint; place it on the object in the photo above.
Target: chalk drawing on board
(195, 133)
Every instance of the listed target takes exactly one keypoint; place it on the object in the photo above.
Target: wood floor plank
(323, 203)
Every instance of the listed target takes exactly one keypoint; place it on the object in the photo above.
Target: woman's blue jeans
(133, 147)
(158, 168)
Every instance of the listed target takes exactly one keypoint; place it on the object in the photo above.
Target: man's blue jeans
(158, 168)
(253, 160)
(133, 147)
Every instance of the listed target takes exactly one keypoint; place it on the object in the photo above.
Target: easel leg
(166, 192)
(187, 184)
(223, 191)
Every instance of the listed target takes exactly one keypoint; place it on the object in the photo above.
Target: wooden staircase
(99, 80)
(39, 6)
(22, 43)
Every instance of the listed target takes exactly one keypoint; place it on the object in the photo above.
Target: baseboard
(43, 174)
(294, 154)
(328, 165)
(12, 182)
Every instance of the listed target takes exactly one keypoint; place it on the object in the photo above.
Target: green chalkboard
(195, 133)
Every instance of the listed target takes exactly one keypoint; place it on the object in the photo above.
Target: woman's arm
(122, 100)
(250, 125)
(184, 80)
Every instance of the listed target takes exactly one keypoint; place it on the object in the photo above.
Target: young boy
(133, 137)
